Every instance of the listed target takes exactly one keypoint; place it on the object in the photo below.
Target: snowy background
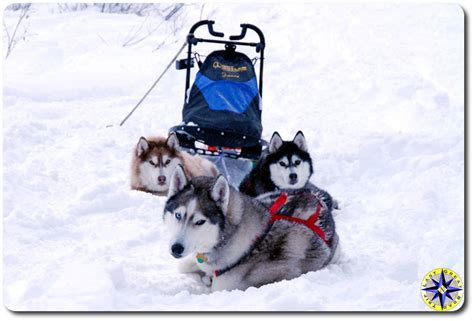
(377, 90)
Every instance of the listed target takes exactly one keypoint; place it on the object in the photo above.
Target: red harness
(277, 205)
(309, 223)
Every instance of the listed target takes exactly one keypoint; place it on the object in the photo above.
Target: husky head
(157, 161)
(290, 165)
(195, 212)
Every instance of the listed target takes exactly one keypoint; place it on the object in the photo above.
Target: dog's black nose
(161, 179)
(293, 178)
(177, 249)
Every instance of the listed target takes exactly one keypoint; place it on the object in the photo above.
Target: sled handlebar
(243, 33)
(210, 24)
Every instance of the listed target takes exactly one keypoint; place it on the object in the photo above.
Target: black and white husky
(238, 241)
(284, 165)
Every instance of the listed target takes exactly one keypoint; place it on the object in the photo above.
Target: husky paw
(207, 280)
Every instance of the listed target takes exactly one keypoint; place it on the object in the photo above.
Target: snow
(378, 91)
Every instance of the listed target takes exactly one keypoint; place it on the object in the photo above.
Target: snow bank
(377, 90)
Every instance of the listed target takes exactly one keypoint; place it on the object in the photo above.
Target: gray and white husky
(240, 242)
(283, 165)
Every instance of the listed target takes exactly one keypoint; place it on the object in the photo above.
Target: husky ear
(300, 141)
(275, 143)
(173, 141)
(178, 181)
(221, 192)
(142, 146)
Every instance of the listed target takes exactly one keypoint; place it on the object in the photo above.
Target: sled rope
(226, 171)
(225, 167)
(154, 84)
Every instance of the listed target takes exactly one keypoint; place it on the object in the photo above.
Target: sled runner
(222, 109)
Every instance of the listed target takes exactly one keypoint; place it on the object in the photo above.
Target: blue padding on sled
(226, 94)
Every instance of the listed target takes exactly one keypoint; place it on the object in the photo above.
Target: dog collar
(203, 258)
(255, 243)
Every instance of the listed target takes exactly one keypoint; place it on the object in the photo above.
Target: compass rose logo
(442, 289)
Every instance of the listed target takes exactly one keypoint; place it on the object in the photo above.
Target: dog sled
(221, 116)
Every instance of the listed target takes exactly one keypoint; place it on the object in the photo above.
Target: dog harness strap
(280, 201)
(310, 222)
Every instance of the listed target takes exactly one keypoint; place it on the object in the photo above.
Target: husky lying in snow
(239, 241)
(283, 165)
(154, 160)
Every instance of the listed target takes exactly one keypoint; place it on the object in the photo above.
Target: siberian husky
(239, 241)
(154, 160)
(283, 165)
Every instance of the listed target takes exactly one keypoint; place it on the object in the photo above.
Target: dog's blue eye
(297, 162)
(200, 222)
(282, 164)
(178, 216)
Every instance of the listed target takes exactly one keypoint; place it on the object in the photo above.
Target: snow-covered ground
(377, 90)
